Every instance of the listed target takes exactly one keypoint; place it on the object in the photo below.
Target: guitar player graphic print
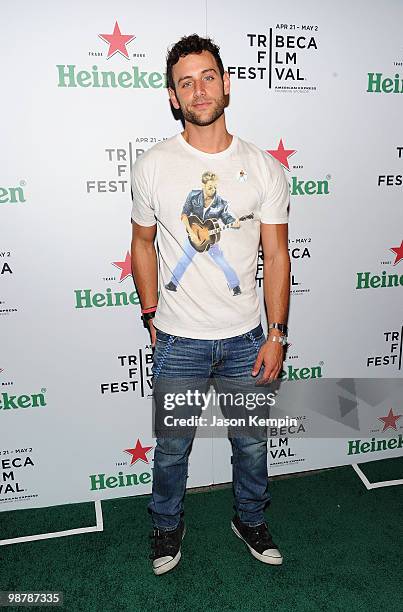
(202, 213)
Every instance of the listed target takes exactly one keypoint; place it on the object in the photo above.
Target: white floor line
(60, 534)
(375, 485)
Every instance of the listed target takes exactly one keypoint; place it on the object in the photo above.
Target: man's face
(210, 188)
(199, 89)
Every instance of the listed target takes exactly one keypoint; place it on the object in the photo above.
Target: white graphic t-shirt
(208, 208)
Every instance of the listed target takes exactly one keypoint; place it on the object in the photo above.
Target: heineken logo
(8, 402)
(378, 83)
(13, 195)
(356, 447)
(390, 420)
(85, 298)
(138, 453)
(291, 373)
(299, 186)
(398, 251)
(124, 266)
(367, 280)
(117, 42)
(102, 481)
(71, 75)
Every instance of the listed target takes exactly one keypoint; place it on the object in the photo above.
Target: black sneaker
(258, 540)
(166, 548)
(170, 286)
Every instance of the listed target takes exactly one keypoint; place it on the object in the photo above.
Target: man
(205, 204)
(199, 330)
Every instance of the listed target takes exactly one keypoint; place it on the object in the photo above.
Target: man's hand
(153, 332)
(271, 354)
(194, 237)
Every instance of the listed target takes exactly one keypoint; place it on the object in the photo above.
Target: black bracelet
(146, 317)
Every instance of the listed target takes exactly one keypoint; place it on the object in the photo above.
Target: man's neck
(208, 200)
(212, 138)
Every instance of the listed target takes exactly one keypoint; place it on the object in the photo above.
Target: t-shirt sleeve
(143, 208)
(277, 193)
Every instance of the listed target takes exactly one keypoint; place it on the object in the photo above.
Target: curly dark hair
(187, 45)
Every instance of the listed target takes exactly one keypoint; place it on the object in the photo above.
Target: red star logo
(399, 253)
(282, 154)
(139, 452)
(390, 420)
(125, 266)
(117, 42)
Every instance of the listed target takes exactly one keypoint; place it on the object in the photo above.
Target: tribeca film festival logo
(281, 449)
(138, 374)
(13, 464)
(392, 180)
(13, 195)
(279, 58)
(118, 49)
(111, 481)
(389, 421)
(87, 298)
(299, 187)
(370, 280)
(120, 161)
(391, 356)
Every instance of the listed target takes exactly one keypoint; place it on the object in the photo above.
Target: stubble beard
(194, 118)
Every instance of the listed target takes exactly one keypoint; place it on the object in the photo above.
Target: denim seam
(163, 356)
(254, 341)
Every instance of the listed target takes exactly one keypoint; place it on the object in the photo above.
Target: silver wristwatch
(280, 326)
(280, 339)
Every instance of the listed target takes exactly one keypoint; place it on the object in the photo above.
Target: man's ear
(227, 83)
(172, 97)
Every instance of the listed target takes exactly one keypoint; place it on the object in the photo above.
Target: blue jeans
(216, 255)
(226, 359)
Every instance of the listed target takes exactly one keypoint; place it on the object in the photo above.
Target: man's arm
(276, 265)
(227, 217)
(145, 267)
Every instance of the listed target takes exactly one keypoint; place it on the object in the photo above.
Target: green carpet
(341, 546)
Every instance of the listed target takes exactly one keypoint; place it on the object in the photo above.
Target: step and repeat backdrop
(317, 85)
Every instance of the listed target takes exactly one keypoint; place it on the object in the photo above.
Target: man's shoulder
(195, 193)
(250, 148)
(155, 154)
(261, 156)
(219, 199)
